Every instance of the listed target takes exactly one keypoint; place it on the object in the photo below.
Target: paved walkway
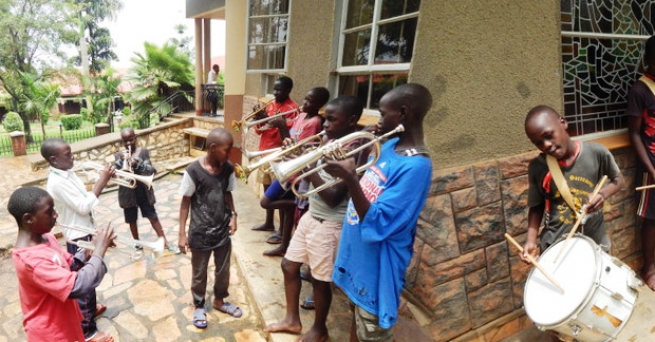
(149, 299)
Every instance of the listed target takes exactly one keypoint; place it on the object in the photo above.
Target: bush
(13, 122)
(71, 122)
(84, 112)
(129, 122)
(127, 111)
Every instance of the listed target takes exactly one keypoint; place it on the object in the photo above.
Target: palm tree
(106, 90)
(38, 98)
(155, 76)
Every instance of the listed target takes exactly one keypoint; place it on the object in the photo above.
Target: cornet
(241, 125)
(237, 125)
(275, 154)
(157, 247)
(123, 178)
(334, 150)
(127, 162)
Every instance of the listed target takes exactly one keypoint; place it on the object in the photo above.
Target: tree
(95, 42)
(183, 42)
(32, 33)
(39, 97)
(106, 91)
(156, 75)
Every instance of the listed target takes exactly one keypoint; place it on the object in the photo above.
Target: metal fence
(37, 139)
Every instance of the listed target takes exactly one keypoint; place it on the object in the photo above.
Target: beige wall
(486, 66)
(310, 45)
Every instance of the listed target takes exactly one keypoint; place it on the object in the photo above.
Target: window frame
(370, 69)
(285, 44)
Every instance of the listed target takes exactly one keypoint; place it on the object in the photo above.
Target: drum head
(576, 270)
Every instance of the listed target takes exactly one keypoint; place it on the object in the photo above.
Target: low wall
(165, 141)
(464, 274)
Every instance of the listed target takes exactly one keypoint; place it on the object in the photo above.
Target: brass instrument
(157, 247)
(237, 125)
(334, 150)
(127, 162)
(274, 154)
(123, 178)
(240, 125)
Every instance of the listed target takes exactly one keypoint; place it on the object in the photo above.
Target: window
(268, 27)
(602, 45)
(376, 47)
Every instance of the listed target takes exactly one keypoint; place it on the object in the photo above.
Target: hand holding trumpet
(103, 239)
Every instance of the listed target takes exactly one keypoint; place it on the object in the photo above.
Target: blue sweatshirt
(374, 253)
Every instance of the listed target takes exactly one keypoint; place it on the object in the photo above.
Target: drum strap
(647, 81)
(559, 180)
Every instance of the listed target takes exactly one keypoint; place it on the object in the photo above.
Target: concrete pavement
(149, 299)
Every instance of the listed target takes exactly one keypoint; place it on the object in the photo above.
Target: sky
(153, 21)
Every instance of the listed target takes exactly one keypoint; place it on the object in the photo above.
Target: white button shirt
(73, 203)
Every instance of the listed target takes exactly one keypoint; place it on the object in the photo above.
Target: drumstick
(582, 214)
(534, 262)
(644, 187)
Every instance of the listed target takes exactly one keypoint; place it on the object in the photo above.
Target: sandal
(200, 318)
(308, 304)
(100, 309)
(230, 309)
(274, 239)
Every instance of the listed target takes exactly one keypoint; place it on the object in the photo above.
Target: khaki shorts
(315, 243)
(368, 328)
(265, 177)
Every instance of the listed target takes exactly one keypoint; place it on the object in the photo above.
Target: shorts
(276, 192)
(265, 177)
(368, 328)
(645, 198)
(315, 243)
(147, 211)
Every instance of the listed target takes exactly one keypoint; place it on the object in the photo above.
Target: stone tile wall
(165, 141)
(464, 273)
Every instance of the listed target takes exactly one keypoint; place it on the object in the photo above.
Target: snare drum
(599, 292)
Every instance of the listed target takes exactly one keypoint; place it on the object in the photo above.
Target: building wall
(486, 66)
(310, 55)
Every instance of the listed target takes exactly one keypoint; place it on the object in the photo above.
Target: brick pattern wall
(464, 272)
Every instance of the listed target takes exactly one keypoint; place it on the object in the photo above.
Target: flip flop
(274, 239)
(200, 318)
(100, 309)
(308, 304)
(230, 309)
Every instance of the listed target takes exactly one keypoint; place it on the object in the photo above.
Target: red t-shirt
(304, 128)
(270, 136)
(44, 283)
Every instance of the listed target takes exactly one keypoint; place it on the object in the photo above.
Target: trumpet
(245, 125)
(238, 125)
(127, 162)
(274, 154)
(123, 178)
(284, 171)
(157, 247)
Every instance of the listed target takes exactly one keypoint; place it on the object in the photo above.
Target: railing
(176, 102)
(38, 138)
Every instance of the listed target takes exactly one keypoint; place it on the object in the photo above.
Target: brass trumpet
(241, 125)
(274, 154)
(334, 150)
(238, 125)
(157, 247)
(127, 162)
(123, 178)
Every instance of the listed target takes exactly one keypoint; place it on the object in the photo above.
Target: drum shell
(604, 309)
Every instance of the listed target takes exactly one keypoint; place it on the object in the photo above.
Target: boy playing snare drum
(583, 164)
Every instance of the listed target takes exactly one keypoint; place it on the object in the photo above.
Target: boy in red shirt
(49, 279)
(270, 134)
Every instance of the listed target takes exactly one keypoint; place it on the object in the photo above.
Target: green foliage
(29, 31)
(71, 122)
(98, 39)
(129, 122)
(12, 122)
(155, 76)
(84, 112)
(127, 111)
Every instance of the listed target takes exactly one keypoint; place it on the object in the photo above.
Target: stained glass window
(602, 42)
